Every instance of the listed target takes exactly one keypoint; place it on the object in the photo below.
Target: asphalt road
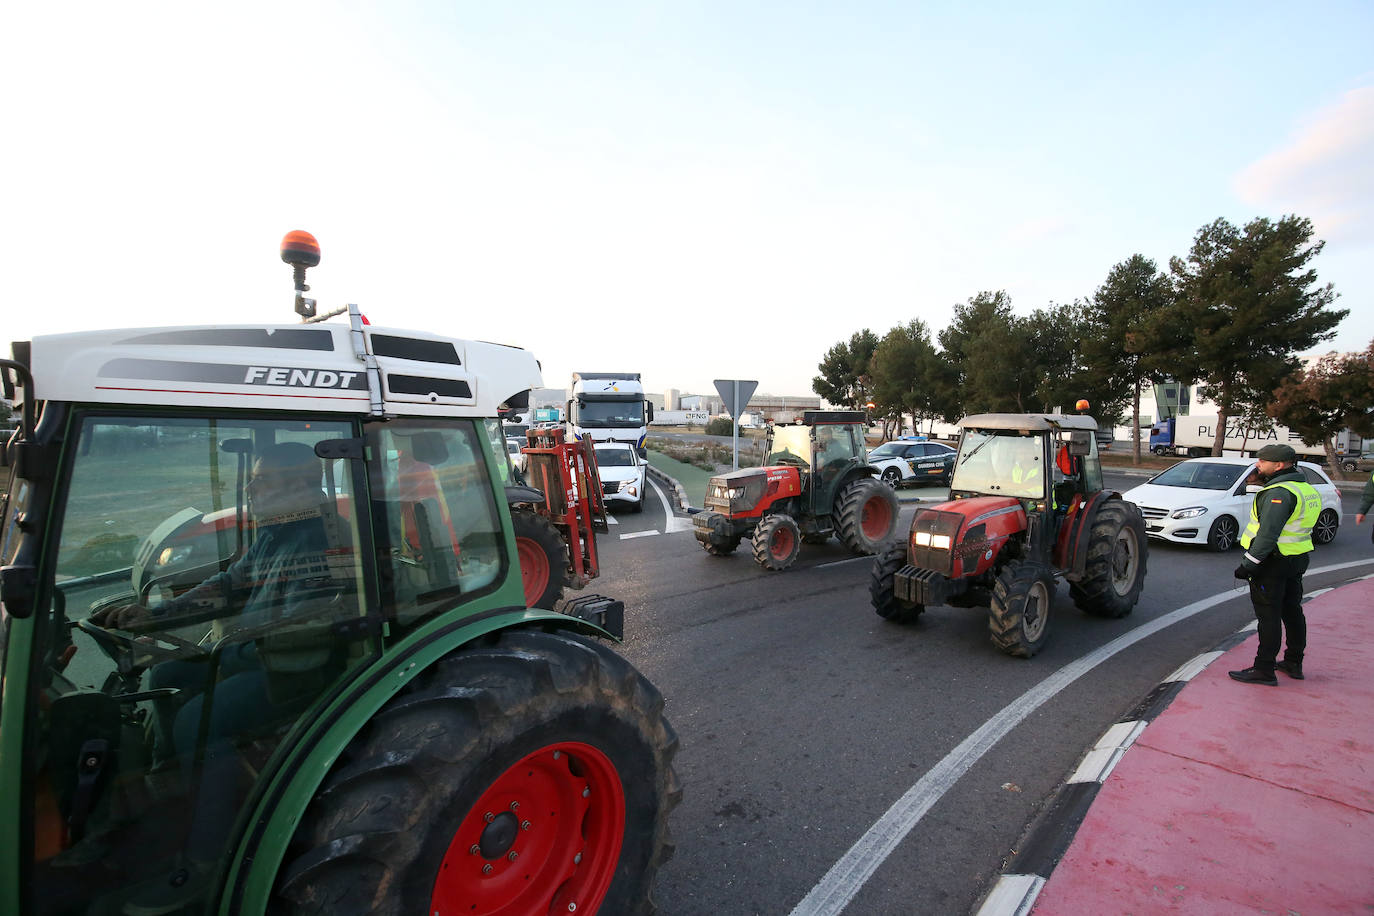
(835, 762)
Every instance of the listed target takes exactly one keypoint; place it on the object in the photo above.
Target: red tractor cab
(1027, 508)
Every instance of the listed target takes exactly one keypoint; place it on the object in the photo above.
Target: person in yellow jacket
(1278, 544)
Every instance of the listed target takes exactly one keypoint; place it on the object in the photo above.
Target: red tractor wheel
(866, 515)
(510, 854)
(543, 558)
(529, 775)
(777, 541)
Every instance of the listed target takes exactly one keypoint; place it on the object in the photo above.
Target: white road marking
(674, 523)
(839, 885)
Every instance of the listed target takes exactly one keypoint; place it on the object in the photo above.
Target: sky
(693, 190)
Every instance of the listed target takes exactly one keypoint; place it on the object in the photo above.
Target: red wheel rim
(534, 569)
(545, 837)
(875, 519)
(781, 545)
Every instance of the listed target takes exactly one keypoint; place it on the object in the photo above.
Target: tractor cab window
(443, 532)
(205, 597)
(790, 445)
(996, 463)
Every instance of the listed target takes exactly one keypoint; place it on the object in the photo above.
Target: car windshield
(614, 458)
(1199, 475)
(887, 450)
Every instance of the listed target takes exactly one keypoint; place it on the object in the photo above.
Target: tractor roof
(280, 367)
(814, 417)
(1027, 422)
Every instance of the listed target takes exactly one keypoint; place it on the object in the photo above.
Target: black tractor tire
(504, 760)
(1223, 534)
(777, 541)
(1327, 527)
(1019, 613)
(720, 550)
(880, 586)
(543, 558)
(866, 515)
(892, 477)
(1114, 572)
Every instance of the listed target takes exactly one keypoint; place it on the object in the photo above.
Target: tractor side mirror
(1080, 443)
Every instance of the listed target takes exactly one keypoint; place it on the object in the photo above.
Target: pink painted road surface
(1243, 798)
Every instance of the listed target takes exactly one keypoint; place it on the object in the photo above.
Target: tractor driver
(1015, 462)
(283, 573)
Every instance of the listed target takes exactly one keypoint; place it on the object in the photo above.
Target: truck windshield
(610, 414)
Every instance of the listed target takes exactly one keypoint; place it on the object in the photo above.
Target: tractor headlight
(937, 541)
(1191, 512)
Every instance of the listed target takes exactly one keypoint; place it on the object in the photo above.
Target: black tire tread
(763, 534)
(538, 530)
(849, 515)
(880, 586)
(376, 814)
(1093, 594)
(1008, 601)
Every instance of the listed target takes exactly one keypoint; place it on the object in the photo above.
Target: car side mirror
(1253, 488)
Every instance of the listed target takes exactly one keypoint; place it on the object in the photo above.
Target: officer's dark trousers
(1276, 593)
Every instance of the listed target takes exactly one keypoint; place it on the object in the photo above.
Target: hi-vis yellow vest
(1296, 536)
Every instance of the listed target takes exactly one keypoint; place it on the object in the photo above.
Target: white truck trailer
(1194, 435)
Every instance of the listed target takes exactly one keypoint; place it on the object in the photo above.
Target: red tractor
(1027, 508)
(815, 482)
(556, 516)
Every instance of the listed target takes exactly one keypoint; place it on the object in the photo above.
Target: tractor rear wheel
(543, 558)
(529, 774)
(1019, 614)
(880, 586)
(777, 541)
(1114, 572)
(866, 515)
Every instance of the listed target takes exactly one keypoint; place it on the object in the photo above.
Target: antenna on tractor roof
(301, 251)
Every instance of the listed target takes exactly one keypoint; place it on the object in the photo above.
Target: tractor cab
(824, 446)
(1043, 461)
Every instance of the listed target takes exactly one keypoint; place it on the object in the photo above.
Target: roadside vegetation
(1231, 316)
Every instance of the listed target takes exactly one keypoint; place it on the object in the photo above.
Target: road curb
(1053, 830)
(679, 494)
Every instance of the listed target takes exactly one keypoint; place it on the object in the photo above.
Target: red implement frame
(565, 471)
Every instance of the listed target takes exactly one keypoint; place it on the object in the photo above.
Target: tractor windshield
(205, 597)
(790, 445)
(998, 463)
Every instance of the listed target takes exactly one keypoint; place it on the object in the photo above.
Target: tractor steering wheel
(131, 652)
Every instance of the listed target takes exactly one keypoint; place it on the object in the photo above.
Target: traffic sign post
(735, 394)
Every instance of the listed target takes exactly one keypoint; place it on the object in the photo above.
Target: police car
(1206, 501)
(913, 461)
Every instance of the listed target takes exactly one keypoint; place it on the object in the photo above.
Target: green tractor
(816, 482)
(265, 645)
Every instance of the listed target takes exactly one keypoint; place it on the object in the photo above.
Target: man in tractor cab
(283, 574)
(1016, 463)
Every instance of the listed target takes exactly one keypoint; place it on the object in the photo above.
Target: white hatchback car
(622, 474)
(1204, 501)
(514, 445)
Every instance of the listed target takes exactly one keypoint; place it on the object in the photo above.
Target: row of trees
(1231, 316)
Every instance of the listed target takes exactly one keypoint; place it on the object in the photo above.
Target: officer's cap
(1277, 452)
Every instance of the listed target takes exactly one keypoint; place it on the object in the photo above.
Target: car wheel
(892, 477)
(1327, 525)
(1222, 536)
(1349, 466)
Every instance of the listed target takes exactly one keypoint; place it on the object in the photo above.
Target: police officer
(1366, 501)
(1277, 543)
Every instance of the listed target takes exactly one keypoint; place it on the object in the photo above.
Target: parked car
(1205, 501)
(514, 445)
(912, 461)
(1363, 462)
(622, 474)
